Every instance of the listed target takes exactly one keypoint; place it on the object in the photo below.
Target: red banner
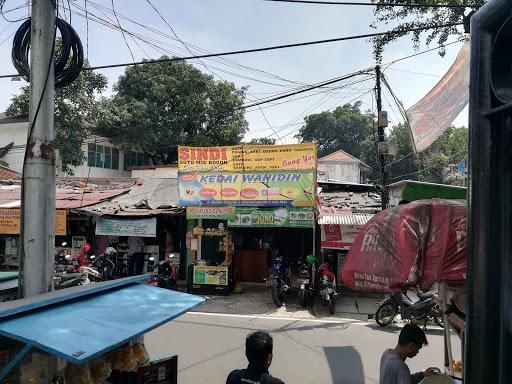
(417, 243)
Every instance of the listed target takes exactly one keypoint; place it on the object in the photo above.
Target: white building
(103, 159)
(342, 167)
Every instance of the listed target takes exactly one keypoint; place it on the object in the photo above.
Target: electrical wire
(376, 4)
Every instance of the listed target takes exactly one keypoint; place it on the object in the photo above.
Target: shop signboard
(249, 189)
(126, 227)
(216, 213)
(274, 217)
(248, 158)
(210, 275)
(335, 236)
(10, 221)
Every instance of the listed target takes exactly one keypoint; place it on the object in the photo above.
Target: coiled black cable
(69, 58)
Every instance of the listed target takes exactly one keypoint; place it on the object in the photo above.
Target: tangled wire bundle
(70, 55)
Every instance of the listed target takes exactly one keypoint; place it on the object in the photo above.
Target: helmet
(310, 259)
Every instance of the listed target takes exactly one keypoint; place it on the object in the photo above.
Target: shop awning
(82, 324)
(344, 219)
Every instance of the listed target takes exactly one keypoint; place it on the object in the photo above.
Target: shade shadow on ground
(345, 364)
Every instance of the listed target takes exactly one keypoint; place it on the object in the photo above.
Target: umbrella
(417, 243)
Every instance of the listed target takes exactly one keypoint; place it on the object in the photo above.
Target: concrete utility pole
(382, 149)
(38, 196)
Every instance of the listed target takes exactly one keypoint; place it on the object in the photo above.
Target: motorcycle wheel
(386, 313)
(438, 317)
(332, 304)
(302, 298)
(276, 297)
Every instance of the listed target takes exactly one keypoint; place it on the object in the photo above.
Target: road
(210, 345)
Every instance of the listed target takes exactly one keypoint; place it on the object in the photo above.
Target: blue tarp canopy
(82, 324)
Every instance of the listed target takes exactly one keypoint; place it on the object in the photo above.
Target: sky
(229, 25)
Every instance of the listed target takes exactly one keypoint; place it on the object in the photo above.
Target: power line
(377, 4)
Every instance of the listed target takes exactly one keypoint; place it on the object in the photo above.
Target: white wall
(17, 133)
(339, 171)
(156, 172)
(85, 171)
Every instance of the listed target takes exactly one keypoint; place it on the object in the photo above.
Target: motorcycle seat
(425, 295)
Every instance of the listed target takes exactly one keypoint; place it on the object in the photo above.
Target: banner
(277, 217)
(433, 114)
(210, 275)
(269, 189)
(10, 221)
(126, 227)
(216, 213)
(335, 236)
(243, 158)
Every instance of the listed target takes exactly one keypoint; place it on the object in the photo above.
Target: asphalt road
(209, 346)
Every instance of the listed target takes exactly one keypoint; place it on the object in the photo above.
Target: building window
(100, 156)
(133, 159)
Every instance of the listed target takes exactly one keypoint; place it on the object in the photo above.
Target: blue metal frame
(21, 354)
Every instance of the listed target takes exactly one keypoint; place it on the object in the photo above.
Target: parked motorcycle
(277, 281)
(105, 266)
(423, 309)
(168, 272)
(327, 292)
(305, 280)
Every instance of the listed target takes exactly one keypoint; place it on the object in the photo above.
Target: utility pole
(382, 147)
(38, 194)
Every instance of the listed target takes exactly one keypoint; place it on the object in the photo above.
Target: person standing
(258, 349)
(393, 369)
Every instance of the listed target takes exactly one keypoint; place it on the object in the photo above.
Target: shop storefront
(246, 204)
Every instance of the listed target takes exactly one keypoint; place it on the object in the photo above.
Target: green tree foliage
(157, 107)
(420, 17)
(76, 111)
(344, 128)
(262, 141)
(437, 164)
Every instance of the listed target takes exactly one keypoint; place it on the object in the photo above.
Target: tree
(437, 164)
(344, 128)
(159, 106)
(262, 141)
(76, 111)
(420, 17)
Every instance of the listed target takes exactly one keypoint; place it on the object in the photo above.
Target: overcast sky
(226, 25)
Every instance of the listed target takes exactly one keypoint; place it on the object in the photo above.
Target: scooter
(327, 292)
(277, 281)
(168, 273)
(399, 303)
(306, 290)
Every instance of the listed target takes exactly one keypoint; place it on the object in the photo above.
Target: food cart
(89, 334)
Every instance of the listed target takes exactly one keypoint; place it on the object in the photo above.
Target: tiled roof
(6, 173)
(340, 155)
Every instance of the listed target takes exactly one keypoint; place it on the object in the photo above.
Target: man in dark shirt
(258, 349)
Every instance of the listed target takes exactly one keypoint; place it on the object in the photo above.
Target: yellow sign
(10, 221)
(249, 158)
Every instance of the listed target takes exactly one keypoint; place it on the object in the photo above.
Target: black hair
(258, 347)
(411, 333)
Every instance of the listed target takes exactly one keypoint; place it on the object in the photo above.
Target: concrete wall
(340, 171)
(14, 132)
(159, 171)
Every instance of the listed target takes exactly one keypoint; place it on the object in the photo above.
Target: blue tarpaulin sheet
(82, 329)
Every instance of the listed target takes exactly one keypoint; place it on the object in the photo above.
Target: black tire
(276, 297)
(438, 317)
(386, 313)
(332, 304)
(302, 297)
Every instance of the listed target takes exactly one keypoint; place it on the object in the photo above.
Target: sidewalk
(256, 300)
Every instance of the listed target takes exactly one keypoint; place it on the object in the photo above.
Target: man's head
(258, 348)
(411, 339)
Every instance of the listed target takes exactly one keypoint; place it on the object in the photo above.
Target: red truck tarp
(417, 243)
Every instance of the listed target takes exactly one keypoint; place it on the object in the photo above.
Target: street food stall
(419, 244)
(245, 192)
(89, 334)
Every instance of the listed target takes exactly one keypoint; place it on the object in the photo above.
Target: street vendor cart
(89, 334)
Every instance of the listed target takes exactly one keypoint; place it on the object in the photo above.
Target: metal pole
(382, 138)
(38, 196)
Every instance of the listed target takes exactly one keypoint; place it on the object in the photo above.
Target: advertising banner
(126, 227)
(251, 158)
(261, 189)
(335, 236)
(10, 221)
(274, 217)
(210, 275)
(216, 213)
(435, 112)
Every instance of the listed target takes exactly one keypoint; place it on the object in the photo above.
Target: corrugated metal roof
(344, 219)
